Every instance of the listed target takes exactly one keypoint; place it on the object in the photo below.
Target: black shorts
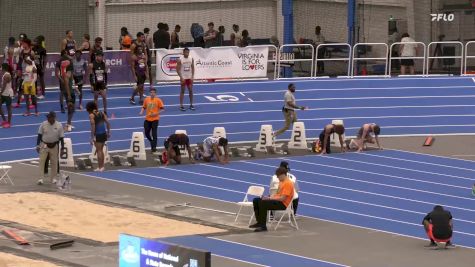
(176, 148)
(99, 87)
(407, 62)
(141, 79)
(79, 80)
(101, 138)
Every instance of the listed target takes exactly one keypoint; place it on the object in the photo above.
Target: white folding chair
(290, 214)
(253, 190)
(4, 176)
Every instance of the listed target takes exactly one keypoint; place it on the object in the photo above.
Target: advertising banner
(140, 252)
(215, 63)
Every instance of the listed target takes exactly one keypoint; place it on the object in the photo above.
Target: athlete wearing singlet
(68, 43)
(100, 131)
(79, 70)
(66, 70)
(98, 78)
(139, 66)
(29, 88)
(186, 71)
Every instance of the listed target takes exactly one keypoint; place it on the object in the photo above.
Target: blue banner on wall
(140, 252)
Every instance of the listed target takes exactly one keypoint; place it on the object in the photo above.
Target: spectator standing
(236, 37)
(186, 71)
(40, 62)
(79, 70)
(125, 39)
(319, 39)
(98, 78)
(50, 134)
(161, 38)
(407, 49)
(211, 36)
(246, 40)
(220, 37)
(6, 94)
(289, 109)
(86, 43)
(152, 106)
(175, 38)
(197, 32)
(148, 47)
(97, 47)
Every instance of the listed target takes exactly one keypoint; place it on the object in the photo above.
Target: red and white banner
(215, 63)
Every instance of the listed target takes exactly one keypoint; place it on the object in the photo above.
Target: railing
(355, 58)
(424, 62)
(320, 46)
(292, 60)
(446, 57)
(467, 56)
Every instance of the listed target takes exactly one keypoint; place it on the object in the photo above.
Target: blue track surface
(384, 190)
(412, 106)
(247, 253)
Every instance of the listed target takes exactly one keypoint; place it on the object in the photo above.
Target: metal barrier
(334, 59)
(445, 57)
(467, 56)
(270, 59)
(282, 59)
(414, 57)
(355, 58)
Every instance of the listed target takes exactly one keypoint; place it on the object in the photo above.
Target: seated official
(365, 136)
(280, 201)
(274, 186)
(172, 146)
(211, 148)
(438, 226)
(325, 137)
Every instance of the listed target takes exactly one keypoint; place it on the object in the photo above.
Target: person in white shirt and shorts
(186, 71)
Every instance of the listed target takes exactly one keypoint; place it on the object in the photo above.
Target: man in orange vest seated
(279, 201)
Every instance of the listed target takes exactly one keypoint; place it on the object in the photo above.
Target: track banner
(215, 63)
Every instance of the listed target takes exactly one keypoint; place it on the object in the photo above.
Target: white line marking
(229, 190)
(242, 93)
(407, 169)
(276, 251)
(250, 99)
(342, 199)
(220, 200)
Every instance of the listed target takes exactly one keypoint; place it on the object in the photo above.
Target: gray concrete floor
(318, 239)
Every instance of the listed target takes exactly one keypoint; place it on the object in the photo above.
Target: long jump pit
(85, 220)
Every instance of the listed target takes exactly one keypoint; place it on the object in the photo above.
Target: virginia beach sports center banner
(116, 61)
(215, 63)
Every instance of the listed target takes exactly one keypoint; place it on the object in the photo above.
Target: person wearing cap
(211, 148)
(79, 70)
(50, 134)
(438, 225)
(279, 201)
(289, 110)
(274, 186)
(98, 78)
(364, 136)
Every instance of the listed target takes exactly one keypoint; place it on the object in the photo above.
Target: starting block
(298, 139)
(66, 156)
(250, 152)
(429, 141)
(183, 150)
(334, 140)
(137, 147)
(93, 156)
(265, 138)
(235, 152)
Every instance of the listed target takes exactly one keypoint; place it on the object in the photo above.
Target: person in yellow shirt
(279, 201)
(152, 107)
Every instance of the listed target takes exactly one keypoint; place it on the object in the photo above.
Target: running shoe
(41, 97)
(31, 106)
(62, 110)
(40, 182)
(192, 107)
(7, 125)
(37, 114)
(182, 108)
(69, 128)
(26, 114)
(16, 105)
(132, 101)
(80, 107)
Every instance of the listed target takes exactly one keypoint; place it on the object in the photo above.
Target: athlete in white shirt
(186, 71)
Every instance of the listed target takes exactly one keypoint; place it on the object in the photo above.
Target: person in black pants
(325, 137)
(152, 107)
(438, 226)
(279, 201)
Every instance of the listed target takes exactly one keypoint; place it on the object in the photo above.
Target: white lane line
(405, 169)
(242, 93)
(423, 162)
(391, 176)
(234, 191)
(250, 99)
(342, 188)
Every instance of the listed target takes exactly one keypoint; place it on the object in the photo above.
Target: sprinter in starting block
(172, 148)
(211, 148)
(325, 137)
(365, 135)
